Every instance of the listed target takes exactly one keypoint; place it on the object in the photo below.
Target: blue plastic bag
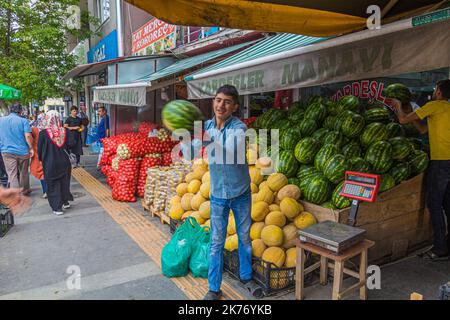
(176, 254)
(199, 262)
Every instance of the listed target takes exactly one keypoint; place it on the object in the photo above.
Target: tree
(33, 45)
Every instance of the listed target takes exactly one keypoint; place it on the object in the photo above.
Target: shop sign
(153, 37)
(366, 89)
(106, 49)
(431, 17)
(402, 52)
(133, 96)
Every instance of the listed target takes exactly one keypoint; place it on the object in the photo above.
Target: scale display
(360, 186)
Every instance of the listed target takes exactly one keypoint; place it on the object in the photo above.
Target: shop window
(103, 10)
(260, 103)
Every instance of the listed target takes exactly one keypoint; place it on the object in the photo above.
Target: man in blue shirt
(16, 144)
(230, 188)
(102, 129)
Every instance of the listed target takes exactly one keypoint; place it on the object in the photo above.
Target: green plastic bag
(176, 254)
(199, 263)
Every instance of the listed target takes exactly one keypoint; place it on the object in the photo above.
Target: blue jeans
(220, 209)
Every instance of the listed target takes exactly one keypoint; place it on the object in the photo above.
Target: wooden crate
(398, 221)
(161, 215)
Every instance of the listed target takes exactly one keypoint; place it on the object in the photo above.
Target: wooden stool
(338, 265)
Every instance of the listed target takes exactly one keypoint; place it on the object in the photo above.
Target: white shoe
(58, 213)
(44, 196)
(66, 206)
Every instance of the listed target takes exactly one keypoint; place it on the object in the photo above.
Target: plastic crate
(444, 292)
(6, 220)
(271, 278)
(174, 224)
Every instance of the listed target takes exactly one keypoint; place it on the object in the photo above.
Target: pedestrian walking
(74, 142)
(16, 144)
(85, 122)
(53, 153)
(102, 130)
(36, 166)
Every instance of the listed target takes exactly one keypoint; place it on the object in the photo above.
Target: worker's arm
(403, 117)
(29, 139)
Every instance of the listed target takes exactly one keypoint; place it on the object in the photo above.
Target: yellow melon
(231, 243)
(207, 223)
(290, 207)
(274, 255)
(276, 181)
(206, 177)
(196, 215)
(304, 220)
(259, 211)
(258, 247)
(272, 236)
(204, 210)
(176, 211)
(197, 201)
(231, 228)
(291, 258)
(252, 156)
(276, 218)
(274, 207)
(255, 175)
(205, 189)
(189, 177)
(186, 214)
(186, 201)
(262, 185)
(277, 201)
(266, 195)
(289, 191)
(263, 162)
(254, 195)
(199, 171)
(199, 162)
(255, 230)
(290, 234)
(254, 188)
(194, 186)
(182, 189)
(175, 199)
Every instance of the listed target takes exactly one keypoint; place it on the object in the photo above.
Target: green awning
(190, 62)
(270, 46)
(9, 93)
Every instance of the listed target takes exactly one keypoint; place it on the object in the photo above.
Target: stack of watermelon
(322, 139)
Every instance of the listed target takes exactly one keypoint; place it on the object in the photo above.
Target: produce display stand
(398, 221)
(165, 219)
(6, 220)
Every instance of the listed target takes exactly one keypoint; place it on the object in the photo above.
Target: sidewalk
(117, 251)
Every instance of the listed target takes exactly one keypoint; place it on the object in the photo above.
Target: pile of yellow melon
(276, 213)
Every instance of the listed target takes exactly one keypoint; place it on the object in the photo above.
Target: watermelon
(320, 134)
(401, 148)
(306, 171)
(306, 150)
(352, 125)
(294, 107)
(358, 164)
(377, 115)
(273, 116)
(328, 205)
(307, 127)
(329, 122)
(348, 103)
(418, 160)
(294, 181)
(324, 154)
(372, 133)
(339, 201)
(387, 182)
(351, 150)
(400, 172)
(297, 116)
(334, 138)
(331, 106)
(416, 143)
(395, 130)
(317, 189)
(287, 164)
(289, 138)
(335, 168)
(379, 155)
(398, 91)
(180, 114)
(316, 111)
(281, 124)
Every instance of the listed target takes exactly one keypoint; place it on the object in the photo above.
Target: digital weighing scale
(338, 237)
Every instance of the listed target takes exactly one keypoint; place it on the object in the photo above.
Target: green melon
(306, 149)
(180, 114)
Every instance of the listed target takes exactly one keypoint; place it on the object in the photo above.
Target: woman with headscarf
(36, 166)
(52, 152)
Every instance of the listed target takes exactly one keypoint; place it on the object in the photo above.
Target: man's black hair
(230, 91)
(15, 108)
(74, 108)
(444, 86)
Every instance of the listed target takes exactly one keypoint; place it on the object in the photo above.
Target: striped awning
(268, 47)
(187, 63)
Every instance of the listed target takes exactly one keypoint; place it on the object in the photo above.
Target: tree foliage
(33, 45)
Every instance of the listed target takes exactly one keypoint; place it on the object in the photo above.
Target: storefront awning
(187, 63)
(89, 69)
(308, 17)
(396, 48)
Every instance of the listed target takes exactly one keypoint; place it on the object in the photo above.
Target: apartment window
(103, 10)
